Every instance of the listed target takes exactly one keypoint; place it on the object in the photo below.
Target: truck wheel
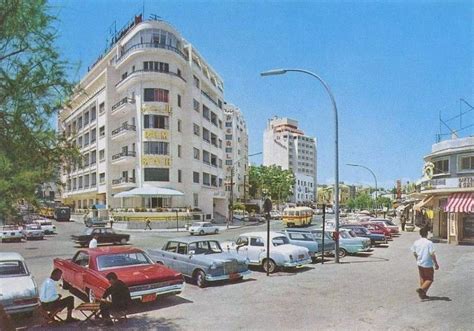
(201, 232)
(200, 278)
(270, 266)
(216, 231)
(123, 241)
(90, 296)
(342, 252)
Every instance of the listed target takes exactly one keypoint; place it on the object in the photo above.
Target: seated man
(51, 300)
(120, 297)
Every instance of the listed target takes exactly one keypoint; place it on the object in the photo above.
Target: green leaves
(271, 181)
(33, 85)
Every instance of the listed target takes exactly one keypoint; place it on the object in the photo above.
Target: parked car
(351, 245)
(329, 243)
(311, 240)
(203, 228)
(11, 233)
(276, 215)
(33, 231)
(106, 236)
(253, 245)
(360, 231)
(201, 260)
(253, 219)
(378, 228)
(46, 225)
(387, 223)
(145, 279)
(18, 289)
(95, 222)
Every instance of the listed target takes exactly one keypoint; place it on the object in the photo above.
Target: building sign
(163, 109)
(156, 161)
(466, 182)
(156, 134)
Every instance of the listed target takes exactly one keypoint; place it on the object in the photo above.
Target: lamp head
(273, 72)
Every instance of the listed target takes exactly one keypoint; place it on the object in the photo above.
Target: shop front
(460, 209)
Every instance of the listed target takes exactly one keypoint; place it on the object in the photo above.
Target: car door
(242, 246)
(79, 264)
(169, 255)
(182, 259)
(255, 249)
(109, 236)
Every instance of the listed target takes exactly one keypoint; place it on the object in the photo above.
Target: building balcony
(123, 106)
(124, 131)
(123, 157)
(141, 46)
(145, 73)
(209, 98)
(124, 182)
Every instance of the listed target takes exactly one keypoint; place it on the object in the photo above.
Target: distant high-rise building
(287, 146)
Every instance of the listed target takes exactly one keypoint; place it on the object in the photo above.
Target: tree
(272, 181)
(33, 87)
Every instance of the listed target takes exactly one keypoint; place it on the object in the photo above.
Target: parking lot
(369, 291)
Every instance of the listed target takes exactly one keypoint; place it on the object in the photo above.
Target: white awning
(149, 191)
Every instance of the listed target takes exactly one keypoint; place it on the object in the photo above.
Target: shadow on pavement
(367, 259)
(433, 298)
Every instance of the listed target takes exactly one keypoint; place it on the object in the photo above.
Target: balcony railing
(209, 98)
(149, 45)
(152, 71)
(123, 180)
(124, 127)
(123, 154)
(122, 102)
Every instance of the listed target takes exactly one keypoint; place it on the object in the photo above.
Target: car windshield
(33, 227)
(87, 231)
(277, 241)
(12, 268)
(121, 260)
(197, 224)
(10, 227)
(205, 247)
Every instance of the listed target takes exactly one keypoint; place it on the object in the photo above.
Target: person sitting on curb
(51, 300)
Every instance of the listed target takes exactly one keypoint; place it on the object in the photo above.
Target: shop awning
(460, 203)
(423, 203)
(149, 191)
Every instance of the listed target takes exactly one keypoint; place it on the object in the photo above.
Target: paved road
(375, 291)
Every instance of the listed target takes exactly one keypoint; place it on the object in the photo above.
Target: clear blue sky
(392, 67)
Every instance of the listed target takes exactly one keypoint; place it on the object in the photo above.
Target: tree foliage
(33, 87)
(271, 181)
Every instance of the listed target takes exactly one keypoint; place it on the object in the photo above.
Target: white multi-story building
(236, 151)
(149, 113)
(287, 146)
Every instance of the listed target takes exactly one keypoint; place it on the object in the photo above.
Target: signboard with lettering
(164, 109)
(466, 182)
(156, 161)
(156, 134)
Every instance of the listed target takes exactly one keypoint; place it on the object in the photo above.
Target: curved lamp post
(375, 179)
(336, 140)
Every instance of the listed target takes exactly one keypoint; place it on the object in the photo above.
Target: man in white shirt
(51, 300)
(425, 256)
(93, 242)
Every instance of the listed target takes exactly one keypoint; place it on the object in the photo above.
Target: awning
(460, 203)
(426, 201)
(149, 191)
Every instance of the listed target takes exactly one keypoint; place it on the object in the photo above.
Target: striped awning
(460, 203)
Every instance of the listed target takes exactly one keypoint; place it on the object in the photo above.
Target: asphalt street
(365, 292)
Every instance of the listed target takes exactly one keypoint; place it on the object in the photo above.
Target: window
(206, 179)
(441, 167)
(196, 105)
(228, 137)
(86, 118)
(179, 125)
(93, 135)
(124, 75)
(205, 112)
(157, 175)
(179, 150)
(196, 199)
(79, 123)
(196, 129)
(196, 153)
(213, 180)
(228, 124)
(156, 147)
(102, 155)
(156, 94)
(102, 178)
(228, 162)
(256, 242)
(220, 143)
(79, 180)
(102, 131)
(179, 176)
(85, 158)
(93, 114)
(213, 139)
(101, 108)
(86, 181)
(86, 139)
(93, 179)
(195, 177)
(214, 160)
(213, 118)
(93, 157)
(205, 135)
(156, 121)
(179, 101)
(466, 163)
(79, 142)
(156, 66)
(228, 149)
(206, 157)
(220, 163)
(196, 81)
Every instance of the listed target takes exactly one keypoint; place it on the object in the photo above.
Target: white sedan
(203, 228)
(11, 233)
(18, 290)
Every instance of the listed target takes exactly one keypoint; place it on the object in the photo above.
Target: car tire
(342, 252)
(216, 231)
(271, 265)
(123, 241)
(90, 296)
(200, 278)
(201, 232)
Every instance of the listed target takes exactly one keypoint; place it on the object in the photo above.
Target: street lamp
(231, 199)
(336, 141)
(375, 179)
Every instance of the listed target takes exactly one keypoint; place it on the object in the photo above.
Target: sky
(393, 67)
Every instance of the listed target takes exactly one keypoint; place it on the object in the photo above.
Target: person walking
(423, 250)
(147, 224)
(93, 242)
(403, 221)
(51, 300)
(111, 220)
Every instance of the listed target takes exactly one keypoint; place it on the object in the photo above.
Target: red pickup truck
(145, 279)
